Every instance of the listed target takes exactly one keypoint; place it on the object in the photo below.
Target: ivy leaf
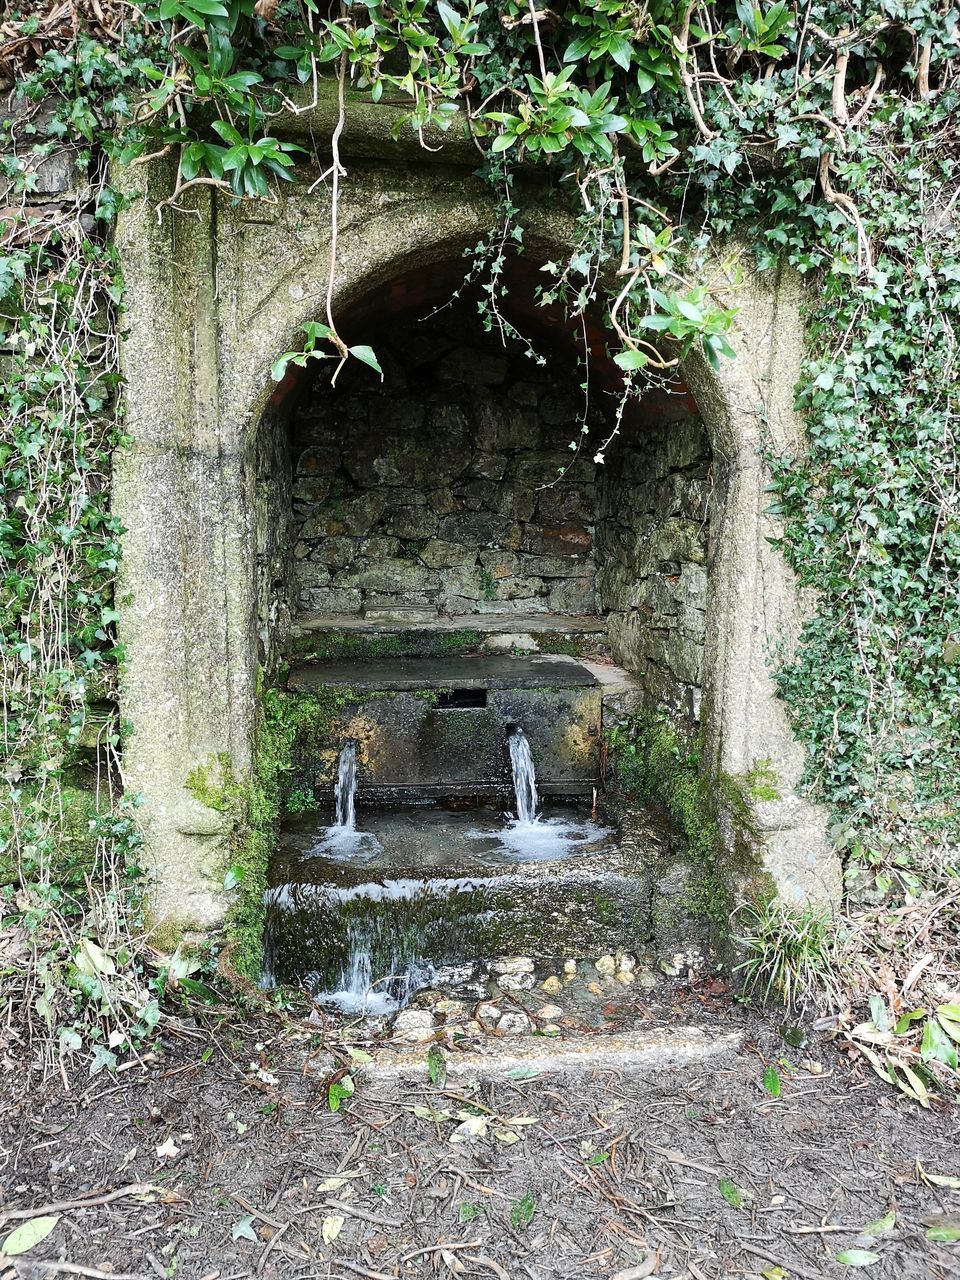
(630, 360)
(233, 878)
(243, 1229)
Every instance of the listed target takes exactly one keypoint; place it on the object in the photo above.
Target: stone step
(455, 888)
(483, 623)
(636, 1052)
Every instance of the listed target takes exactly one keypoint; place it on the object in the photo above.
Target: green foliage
(292, 729)
(213, 784)
(522, 1210)
(651, 761)
(671, 135)
(788, 953)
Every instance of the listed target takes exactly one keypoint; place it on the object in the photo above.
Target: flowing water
(342, 839)
(524, 776)
(345, 791)
(378, 909)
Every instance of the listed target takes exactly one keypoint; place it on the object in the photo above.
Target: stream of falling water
(393, 928)
(524, 776)
(345, 791)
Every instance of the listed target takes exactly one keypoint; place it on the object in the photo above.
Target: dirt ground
(220, 1158)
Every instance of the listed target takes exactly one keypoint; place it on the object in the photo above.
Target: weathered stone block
(394, 577)
(330, 600)
(570, 539)
(573, 595)
(479, 529)
(355, 515)
(436, 554)
(410, 522)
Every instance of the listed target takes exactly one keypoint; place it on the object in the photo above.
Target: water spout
(524, 776)
(345, 792)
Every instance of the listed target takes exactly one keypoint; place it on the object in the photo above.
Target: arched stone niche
(216, 292)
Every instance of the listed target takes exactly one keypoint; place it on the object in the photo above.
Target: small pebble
(607, 966)
(488, 1015)
(647, 979)
(626, 977)
(626, 963)
(413, 1024)
(552, 985)
(515, 981)
(595, 989)
(451, 1008)
(512, 964)
(551, 1012)
(570, 967)
(514, 1024)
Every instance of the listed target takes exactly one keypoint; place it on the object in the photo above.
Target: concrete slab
(636, 1051)
(471, 672)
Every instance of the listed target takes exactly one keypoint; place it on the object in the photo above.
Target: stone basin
(450, 887)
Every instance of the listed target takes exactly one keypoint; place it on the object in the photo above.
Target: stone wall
(426, 489)
(652, 531)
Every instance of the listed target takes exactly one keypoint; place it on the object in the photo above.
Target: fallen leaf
(470, 1128)
(775, 1273)
(857, 1257)
(882, 1225)
(28, 1234)
(338, 1180)
(506, 1136)
(168, 1150)
(332, 1227)
(943, 1180)
(640, 1272)
(731, 1193)
(243, 1229)
(945, 1235)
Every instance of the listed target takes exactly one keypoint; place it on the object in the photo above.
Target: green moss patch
(652, 762)
(342, 646)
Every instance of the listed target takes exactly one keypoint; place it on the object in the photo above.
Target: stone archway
(216, 293)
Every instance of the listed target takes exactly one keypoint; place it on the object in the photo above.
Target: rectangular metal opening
(460, 699)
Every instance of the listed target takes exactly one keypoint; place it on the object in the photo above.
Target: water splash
(343, 840)
(360, 993)
(524, 776)
(345, 791)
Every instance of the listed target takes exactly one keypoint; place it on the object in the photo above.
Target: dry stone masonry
(439, 486)
(652, 541)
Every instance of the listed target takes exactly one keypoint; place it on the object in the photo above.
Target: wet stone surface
(419, 889)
